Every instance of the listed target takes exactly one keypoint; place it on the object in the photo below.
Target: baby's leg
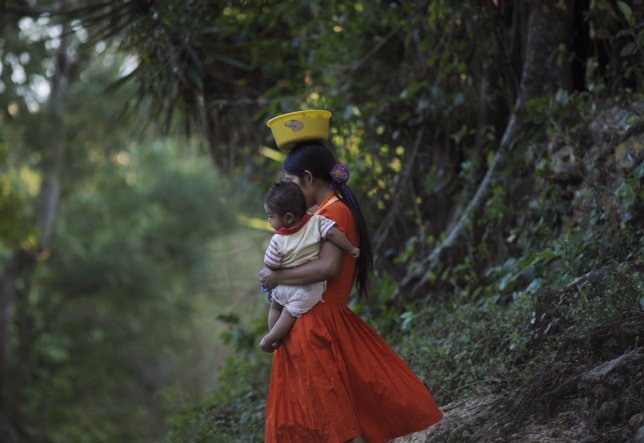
(280, 329)
(274, 313)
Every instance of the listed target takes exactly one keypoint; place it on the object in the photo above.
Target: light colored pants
(298, 300)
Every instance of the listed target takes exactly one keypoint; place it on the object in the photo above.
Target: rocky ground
(599, 403)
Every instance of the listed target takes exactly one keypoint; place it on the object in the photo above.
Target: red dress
(334, 378)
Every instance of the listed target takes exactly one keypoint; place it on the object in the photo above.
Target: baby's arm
(273, 255)
(337, 237)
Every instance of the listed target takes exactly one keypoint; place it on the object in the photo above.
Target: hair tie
(339, 178)
(340, 173)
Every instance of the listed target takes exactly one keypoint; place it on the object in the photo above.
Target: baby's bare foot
(266, 345)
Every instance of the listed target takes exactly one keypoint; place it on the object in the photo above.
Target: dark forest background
(496, 147)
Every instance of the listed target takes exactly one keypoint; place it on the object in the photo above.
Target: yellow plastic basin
(294, 127)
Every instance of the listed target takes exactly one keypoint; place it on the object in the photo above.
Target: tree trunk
(545, 69)
(18, 272)
(20, 264)
(546, 66)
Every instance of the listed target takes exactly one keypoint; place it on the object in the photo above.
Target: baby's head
(285, 204)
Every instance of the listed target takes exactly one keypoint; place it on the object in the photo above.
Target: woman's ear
(307, 177)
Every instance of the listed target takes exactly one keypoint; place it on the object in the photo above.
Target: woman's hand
(268, 278)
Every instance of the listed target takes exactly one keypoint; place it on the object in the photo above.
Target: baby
(296, 241)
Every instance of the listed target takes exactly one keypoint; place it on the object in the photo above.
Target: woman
(333, 379)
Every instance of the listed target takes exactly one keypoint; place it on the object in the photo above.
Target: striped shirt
(299, 244)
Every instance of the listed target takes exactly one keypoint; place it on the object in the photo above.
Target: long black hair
(316, 158)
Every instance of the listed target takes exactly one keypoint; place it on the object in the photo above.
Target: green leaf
(413, 89)
(627, 11)
(639, 172)
(628, 49)
(230, 318)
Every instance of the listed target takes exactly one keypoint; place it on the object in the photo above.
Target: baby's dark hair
(285, 196)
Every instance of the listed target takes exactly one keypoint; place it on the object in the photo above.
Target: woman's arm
(323, 268)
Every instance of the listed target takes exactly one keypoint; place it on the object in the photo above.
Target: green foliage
(112, 304)
(548, 271)
(234, 412)
(465, 347)
(24, 58)
(15, 229)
